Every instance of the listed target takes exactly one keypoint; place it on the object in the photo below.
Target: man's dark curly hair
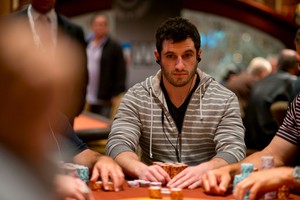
(177, 29)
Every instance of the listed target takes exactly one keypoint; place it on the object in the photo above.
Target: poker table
(89, 126)
(142, 194)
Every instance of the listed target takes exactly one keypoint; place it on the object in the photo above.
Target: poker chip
(96, 186)
(144, 183)
(247, 168)
(237, 178)
(82, 172)
(267, 162)
(165, 191)
(283, 193)
(155, 192)
(133, 184)
(155, 184)
(176, 194)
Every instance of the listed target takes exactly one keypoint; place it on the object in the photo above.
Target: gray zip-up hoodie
(212, 125)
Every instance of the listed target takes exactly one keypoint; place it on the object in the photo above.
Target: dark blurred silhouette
(30, 88)
(242, 83)
(259, 122)
(49, 28)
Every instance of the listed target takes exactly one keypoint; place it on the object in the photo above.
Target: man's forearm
(131, 164)
(87, 158)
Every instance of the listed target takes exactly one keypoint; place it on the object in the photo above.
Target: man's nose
(179, 63)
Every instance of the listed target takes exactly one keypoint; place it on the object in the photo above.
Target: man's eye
(188, 55)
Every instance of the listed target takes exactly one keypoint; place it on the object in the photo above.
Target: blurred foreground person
(30, 91)
(48, 28)
(32, 88)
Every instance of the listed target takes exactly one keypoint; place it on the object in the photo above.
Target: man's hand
(69, 187)
(107, 169)
(188, 178)
(155, 173)
(216, 181)
(263, 181)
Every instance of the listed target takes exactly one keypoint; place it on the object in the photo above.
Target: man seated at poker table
(284, 148)
(181, 114)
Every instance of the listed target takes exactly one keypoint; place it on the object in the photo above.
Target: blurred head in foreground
(32, 82)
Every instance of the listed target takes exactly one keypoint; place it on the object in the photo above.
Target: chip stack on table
(96, 186)
(171, 168)
(283, 193)
(246, 169)
(237, 178)
(155, 192)
(83, 172)
(176, 194)
(267, 162)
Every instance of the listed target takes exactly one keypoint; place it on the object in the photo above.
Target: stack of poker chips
(176, 194)
(246, 169)
(267, 162)
(96, 186)
(171, 168)
(155, 192)
(283, 193)
(82, 172)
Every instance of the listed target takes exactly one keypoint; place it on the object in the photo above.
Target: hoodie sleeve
(126, 128)
(229, 137)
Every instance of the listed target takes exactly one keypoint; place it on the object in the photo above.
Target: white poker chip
(165, 191)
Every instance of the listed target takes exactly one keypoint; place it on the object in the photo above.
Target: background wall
(227, 44)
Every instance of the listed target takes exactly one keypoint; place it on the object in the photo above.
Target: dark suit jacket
(259, 122)
(113, 71)
(77, 91)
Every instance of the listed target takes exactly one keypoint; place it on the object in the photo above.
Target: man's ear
(157, 56)
(199, 53)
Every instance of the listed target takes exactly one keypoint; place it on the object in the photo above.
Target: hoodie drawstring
(200, 106)
(151, 156)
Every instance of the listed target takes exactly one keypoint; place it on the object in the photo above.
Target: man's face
(43, 6)
(100, 26)
(179, 61)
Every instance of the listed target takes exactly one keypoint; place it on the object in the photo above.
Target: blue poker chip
(83, 173)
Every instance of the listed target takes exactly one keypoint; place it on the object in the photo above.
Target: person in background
(41, 15)
(242, 83)
(273, 59)
(284, 148)
(259, 122)
(106, 67)
(181, 114)
(230, 74)
(297, 44)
